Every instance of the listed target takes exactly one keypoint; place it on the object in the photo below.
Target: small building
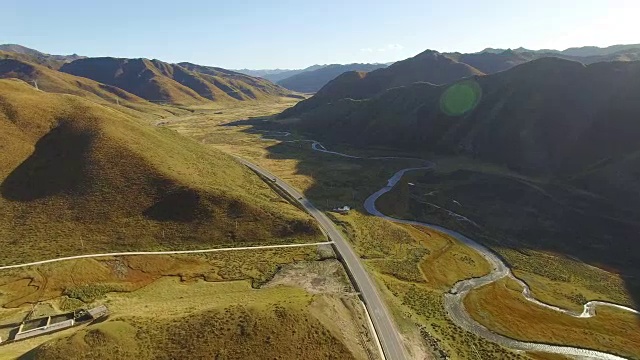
(342, 210)
(49, 324)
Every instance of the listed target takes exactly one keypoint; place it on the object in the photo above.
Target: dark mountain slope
(312, 81)
(548, 116)
(429, 66)
(490, 63)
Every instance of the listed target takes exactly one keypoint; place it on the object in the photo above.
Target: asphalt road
(383, 323)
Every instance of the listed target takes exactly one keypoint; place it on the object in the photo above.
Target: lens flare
(460, 98)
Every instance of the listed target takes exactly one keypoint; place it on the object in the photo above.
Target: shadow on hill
(554, 218)
(183, 205)
(58, 165)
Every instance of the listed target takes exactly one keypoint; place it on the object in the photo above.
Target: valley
(439, 218)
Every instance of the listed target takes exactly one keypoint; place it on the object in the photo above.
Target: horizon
(288, 35)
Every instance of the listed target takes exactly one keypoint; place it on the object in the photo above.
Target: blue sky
(294, 34)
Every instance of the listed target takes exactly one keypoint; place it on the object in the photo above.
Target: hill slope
(83, 178)
(158, 81)
(51, 61)
(549, 116)
(517, 109)
(312, 81)
(429, 66)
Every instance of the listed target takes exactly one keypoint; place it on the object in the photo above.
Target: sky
(271, 34)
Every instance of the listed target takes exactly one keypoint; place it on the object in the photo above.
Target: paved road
(176, 252)
(384, 325)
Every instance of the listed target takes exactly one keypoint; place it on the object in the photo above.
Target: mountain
(548, 116)
(585, 51)
(564, 137)
(598, 51)
(51, 61)
(429, 66)
(76, 172)
(312, 81)
(491, 62)
(278, 74)
(158, 81)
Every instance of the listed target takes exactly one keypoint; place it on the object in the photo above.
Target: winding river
(454, 299)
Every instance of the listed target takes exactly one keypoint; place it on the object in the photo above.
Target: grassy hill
(50, 80)
(429, 66)
(237, 332)
(80, 177)
(158, 81)
(312, 81)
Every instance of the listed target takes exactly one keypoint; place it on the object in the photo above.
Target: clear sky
(293, 34)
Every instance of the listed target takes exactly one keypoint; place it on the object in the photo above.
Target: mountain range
(313, 80)
(134, 80)
(551, 117)
(585, 51)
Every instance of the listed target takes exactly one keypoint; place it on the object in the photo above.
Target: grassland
(190, 306)
(83, 178)
(412, 265)
(516, 229)
(501, 308)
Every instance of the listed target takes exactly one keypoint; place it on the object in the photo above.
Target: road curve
(384, 326)
(176, 252)
(454, 303)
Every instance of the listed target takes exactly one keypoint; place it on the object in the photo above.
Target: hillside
(236, 85)
(158, 81)
(585, 105)
(79, 177)
(553, 151)
(542, 117)
(429, 66)
(31, 55)
(312, 81)
(287, 330)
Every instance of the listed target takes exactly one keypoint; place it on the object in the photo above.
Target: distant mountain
(276, 75)
(429, 66)
(51, 61)
(158, 81)
(585, 51)
(312, 81)
(597, 51)
(491, 62)
(261, 73)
